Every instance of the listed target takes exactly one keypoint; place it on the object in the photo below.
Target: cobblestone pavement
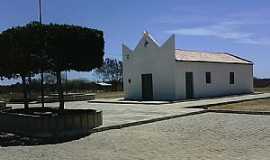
(207, 136)
(190, 103)
(114, 114)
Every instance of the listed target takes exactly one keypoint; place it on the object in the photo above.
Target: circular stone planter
(69, 97)
(2, 104)
(47, 123)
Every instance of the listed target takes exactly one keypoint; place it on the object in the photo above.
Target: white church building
(162, 72)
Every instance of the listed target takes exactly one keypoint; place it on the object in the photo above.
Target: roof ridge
(190, 50)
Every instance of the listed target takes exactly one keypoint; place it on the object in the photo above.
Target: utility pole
(42, 71)
(40, 12)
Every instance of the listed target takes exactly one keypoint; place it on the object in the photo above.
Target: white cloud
(239, 26)
(225, 30)
(222, 30)
(255, 41)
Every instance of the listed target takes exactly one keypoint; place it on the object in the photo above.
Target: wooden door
(189, 85)
(147, 87)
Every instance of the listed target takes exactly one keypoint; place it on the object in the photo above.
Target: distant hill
(261, 83)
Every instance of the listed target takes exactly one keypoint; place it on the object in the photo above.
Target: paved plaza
(116, 114)
(207, 136)
(203, 136)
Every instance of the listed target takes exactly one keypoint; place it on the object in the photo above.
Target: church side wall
(220, 79)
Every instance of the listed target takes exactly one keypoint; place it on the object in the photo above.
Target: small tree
(111, 70)
(73, 48)
(49, 78)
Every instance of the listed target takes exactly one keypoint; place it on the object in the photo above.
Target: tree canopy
(55, 47)
(74, 48)
(36, 48)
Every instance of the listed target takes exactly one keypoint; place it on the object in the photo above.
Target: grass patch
(254, 105)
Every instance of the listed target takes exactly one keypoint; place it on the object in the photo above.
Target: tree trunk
(42, 89)
(66, 83)
(29, 87)
(25, 96)
(60, 91)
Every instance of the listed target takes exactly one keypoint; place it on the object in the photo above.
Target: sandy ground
(254, 105)
(205, 136)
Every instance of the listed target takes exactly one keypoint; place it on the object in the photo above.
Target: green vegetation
(111, 70)
(13, 93)
(36, 48)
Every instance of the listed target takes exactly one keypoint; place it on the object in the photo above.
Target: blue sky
(240, 27)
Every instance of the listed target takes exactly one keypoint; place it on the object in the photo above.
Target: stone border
(206, 106)
(68, 124)
(141, 122)
(239, 111)
(68, 98)
(3, 104)
(130, 102)
(123, 101)
(205, 110)
(54, 98)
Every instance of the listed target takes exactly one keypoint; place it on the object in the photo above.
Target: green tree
(19, 46)
(36, 48)
(111, 70)
(73, 48)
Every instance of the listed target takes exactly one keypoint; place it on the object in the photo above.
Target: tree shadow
(10, 139)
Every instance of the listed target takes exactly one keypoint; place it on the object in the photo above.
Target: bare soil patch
(254, 105)
(262, 89)
(117, 94)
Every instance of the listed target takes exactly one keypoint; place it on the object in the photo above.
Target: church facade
(162, 72)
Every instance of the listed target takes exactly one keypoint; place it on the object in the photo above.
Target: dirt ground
(117, 94)
(255, 105)
(263, 89)
(208, 136)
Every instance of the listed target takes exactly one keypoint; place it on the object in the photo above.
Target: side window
(208, 77)
(231, 77)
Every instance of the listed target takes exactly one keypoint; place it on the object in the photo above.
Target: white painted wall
(220, 79)
(169, 75)
(153, 59)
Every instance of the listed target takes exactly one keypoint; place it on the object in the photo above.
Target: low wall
(67, 124)
(2, 104)
(69, 97)
(54, 98)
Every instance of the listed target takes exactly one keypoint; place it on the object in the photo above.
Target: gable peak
(146, 33)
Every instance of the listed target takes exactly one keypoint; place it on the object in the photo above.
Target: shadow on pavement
(10, 139)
